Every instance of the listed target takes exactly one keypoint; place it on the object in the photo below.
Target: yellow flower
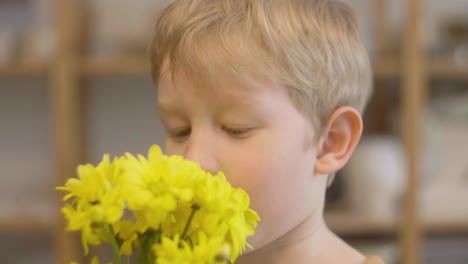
(153, 187)
(94, 182)
(127, 233)
(95, 260)
(199, 217)
(207, 251)
(242, 223)
(96, 200)
(172, 185)
(225, 211)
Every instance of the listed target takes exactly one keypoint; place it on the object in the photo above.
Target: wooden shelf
(27, 216)
(456, 227)
(438, 68)
(124, 65)
(40, 218)
(24, 69)
(25, 224)
(445, 68)
(349, 224)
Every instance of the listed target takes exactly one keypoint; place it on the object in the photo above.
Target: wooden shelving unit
(24, 69)
(445, 68)
(21, 223)
(124, 66)
(69, 69)
(437, 68)
(348, 224)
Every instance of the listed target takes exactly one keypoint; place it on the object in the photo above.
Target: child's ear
(339, 139)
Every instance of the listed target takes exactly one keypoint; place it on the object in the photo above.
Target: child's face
(255, 136)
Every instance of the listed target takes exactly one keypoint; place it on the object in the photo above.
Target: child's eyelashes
(237, 132)
(179, 133)
(232, 131)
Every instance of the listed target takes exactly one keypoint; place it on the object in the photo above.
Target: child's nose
(200, 150)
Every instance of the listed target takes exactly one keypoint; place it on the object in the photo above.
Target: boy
(271, 93)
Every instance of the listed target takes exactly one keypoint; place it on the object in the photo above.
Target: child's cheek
(254, 174)
(248, 171)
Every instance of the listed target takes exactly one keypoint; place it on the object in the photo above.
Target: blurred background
(75, 84)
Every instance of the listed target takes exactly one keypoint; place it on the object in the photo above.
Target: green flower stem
(148, 239)
(113, 241)
(189, 221)
(127, 260)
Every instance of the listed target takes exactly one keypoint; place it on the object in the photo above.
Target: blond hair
(311, 47)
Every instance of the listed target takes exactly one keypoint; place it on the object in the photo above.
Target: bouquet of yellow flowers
(166, 209)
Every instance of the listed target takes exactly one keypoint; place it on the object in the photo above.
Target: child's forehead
(226, 94)
(214, 81)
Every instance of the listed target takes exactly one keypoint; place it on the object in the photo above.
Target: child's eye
(179, 133)
(237, 131)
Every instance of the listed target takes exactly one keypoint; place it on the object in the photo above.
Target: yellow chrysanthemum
(170, 197)
(154, 186)
(206, 251)
(95, 260)
(224, 211)
(127, 233)
(96, 199)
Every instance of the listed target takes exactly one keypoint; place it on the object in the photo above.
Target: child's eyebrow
(164, 107)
